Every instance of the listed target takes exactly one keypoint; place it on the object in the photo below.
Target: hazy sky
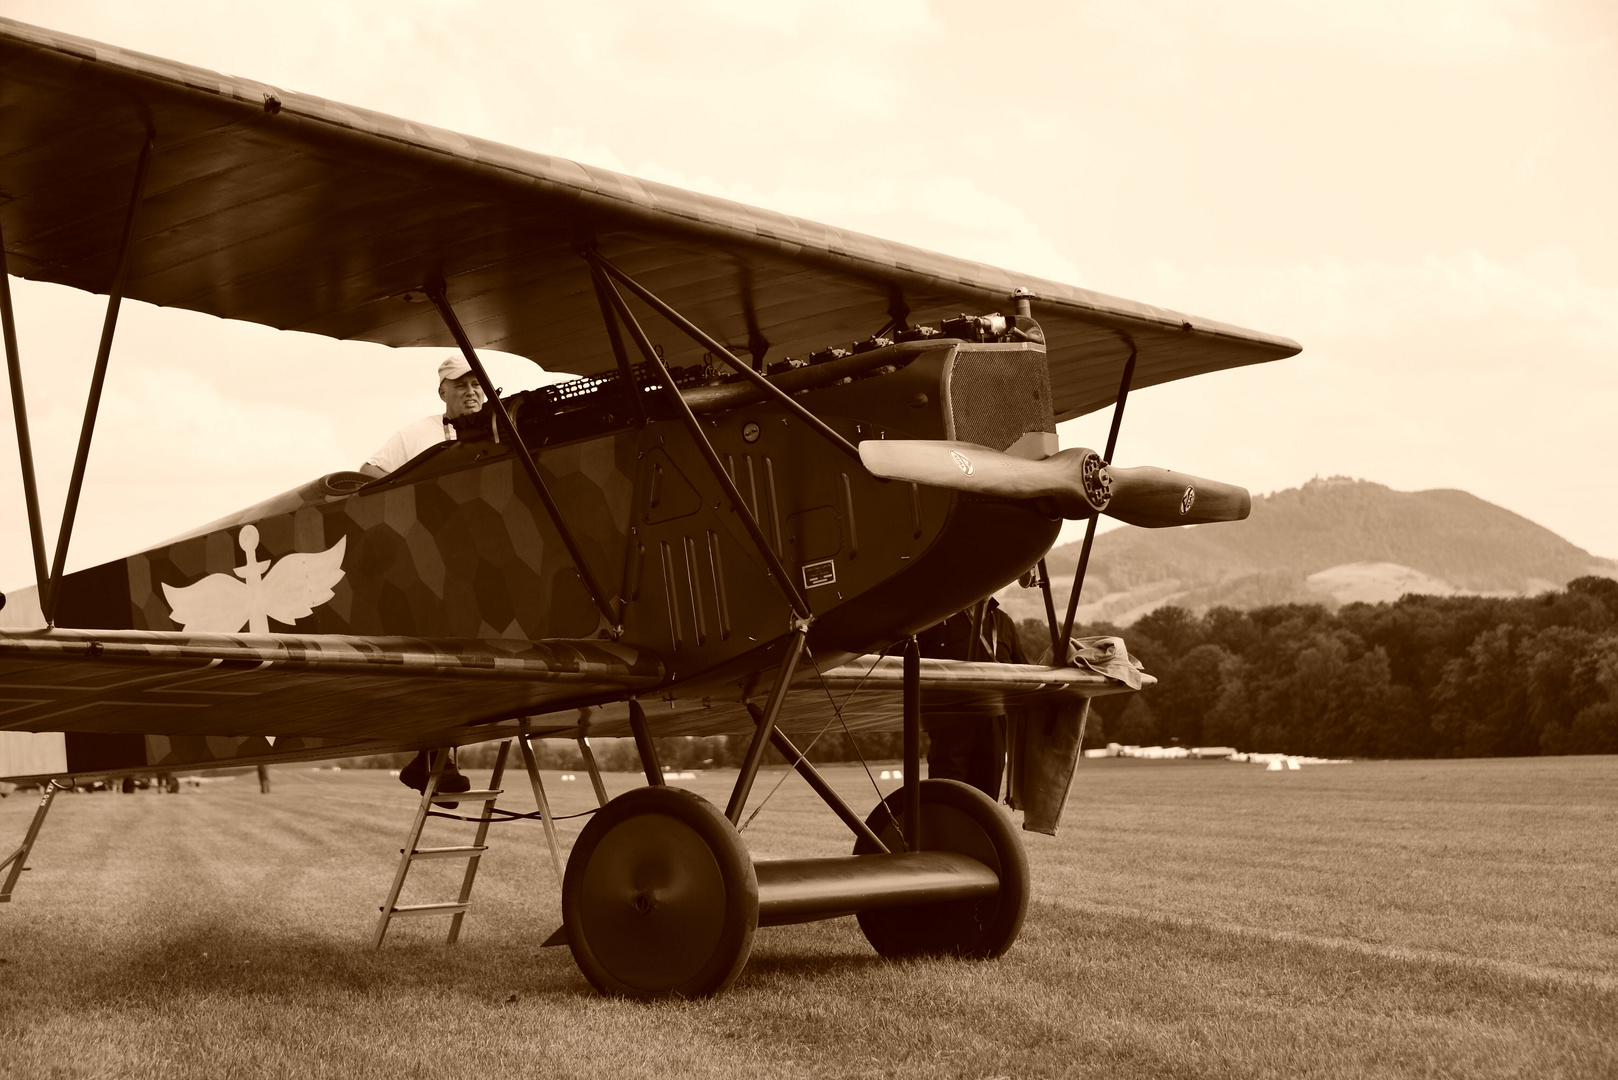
(1421, 192)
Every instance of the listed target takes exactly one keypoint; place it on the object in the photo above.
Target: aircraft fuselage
(458, 545)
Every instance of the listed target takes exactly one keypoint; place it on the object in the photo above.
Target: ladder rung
(472, 852)
(463, 851)
(428, 909)
(465, 796)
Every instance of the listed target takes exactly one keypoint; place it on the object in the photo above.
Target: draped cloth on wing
(1045, 739)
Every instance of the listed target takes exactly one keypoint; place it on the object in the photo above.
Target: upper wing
(300, 213)
(301, 582)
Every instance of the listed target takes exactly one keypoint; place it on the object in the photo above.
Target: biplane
(789, 449)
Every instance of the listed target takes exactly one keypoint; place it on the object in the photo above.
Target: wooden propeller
(1156, 498)
(1070, 483)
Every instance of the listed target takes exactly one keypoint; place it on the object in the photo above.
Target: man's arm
(399, 449)
(389, 456)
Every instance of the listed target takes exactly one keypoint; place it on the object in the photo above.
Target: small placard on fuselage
(820, 573)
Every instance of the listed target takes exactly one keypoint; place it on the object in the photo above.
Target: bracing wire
(838, 713)
(803, 755)
(499, 815)
(837, 718)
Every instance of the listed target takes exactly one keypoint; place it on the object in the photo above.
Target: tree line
(1422, 677)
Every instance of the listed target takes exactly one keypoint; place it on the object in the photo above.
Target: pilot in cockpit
(459, 390)
(461, 394)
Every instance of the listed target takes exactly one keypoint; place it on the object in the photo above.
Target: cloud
(200, 417)
(170, 451)
(1334, 172)
(1473, 301)
(1426, 31)
(178, 423)
(1423, 31)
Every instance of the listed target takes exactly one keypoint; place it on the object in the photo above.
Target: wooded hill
(1330, 542)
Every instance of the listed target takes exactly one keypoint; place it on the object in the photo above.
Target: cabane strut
(781, 397)
(435, 292)
(778, 572)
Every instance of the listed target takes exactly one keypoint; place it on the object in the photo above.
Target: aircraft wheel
(660, 898)
(955, 817)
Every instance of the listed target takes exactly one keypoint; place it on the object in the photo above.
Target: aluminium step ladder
(391, 908)
(472, 853)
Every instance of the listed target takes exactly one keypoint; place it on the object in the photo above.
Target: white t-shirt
(411, 440)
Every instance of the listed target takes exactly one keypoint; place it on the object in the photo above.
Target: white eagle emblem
(292, 589)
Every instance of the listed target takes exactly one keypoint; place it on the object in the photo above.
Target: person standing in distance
(461, 394)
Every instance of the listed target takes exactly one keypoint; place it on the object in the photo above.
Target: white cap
(453, 368)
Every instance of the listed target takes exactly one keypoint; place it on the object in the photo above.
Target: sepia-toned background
(1419, 192)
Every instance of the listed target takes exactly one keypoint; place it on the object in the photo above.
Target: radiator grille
(997, 394)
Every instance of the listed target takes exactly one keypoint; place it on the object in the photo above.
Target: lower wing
(143, 701)
(101, 695)
(865, 694)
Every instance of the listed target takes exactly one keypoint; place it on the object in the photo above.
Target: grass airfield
(1195, 919)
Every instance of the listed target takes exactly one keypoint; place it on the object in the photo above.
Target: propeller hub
(1097, 481)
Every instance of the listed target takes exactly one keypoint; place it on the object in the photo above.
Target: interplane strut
(1090, 529)
(19, 414)
(98, 380)
(778, 573)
